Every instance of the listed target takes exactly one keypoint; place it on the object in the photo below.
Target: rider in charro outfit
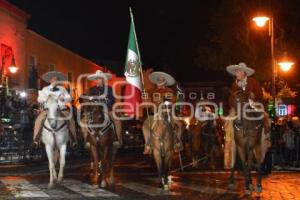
(63, 97)
(102, 91)
(162, 92)
(251, 86)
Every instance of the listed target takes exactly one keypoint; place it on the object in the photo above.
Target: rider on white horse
(63, 97)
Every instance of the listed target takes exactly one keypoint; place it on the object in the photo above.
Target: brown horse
(248, 128)
(99, 129)
(163, 131)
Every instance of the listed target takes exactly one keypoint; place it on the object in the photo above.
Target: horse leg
(168, 176)
(55, 160)
(94, 154)
(49, 152)
(231, 178)
(113, 156)
(62, 162)
(92, 163)
(212, 157)
(249, 164)
(104, 166)
(158, 161)
(164, 175)
(258, 155)
(242, 154)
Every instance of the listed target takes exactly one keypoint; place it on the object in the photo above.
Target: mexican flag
(133, 88)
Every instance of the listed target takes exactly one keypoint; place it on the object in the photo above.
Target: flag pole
(139, 55)
(138, 50)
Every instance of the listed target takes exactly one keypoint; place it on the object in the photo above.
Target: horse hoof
(248, 192)
(103, 184)
(60, 179)
(258, 189)
(94, 180)
(230, 186)
(166, 187)
(170, 179)
(50, 185)
(112, 182)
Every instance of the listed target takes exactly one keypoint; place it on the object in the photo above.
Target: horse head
(52, 106)
(165, 111)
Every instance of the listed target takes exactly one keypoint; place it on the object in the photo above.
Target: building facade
(35, 53)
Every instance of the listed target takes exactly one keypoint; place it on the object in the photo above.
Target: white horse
(55, 137)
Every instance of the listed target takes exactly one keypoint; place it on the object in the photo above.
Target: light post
(261, 21)
(12, 68)
(285, 65)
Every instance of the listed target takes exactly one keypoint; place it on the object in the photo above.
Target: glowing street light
(13, 68)
(286, 65)
(261, 21)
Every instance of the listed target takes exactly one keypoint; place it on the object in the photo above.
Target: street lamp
(261, 21)
(13, 68)
(285, 65)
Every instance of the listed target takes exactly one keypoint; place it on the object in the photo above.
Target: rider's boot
(36, 141)
(37, 136)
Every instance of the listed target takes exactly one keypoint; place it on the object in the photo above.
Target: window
(52, 67)
(32, 61)
(70, 77)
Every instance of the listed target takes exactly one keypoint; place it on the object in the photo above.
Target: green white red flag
(133, 88)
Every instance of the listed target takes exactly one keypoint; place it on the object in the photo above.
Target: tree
(234, 40)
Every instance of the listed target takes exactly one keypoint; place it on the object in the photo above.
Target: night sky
(168, 34)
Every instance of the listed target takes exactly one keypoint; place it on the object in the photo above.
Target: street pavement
(136, 178)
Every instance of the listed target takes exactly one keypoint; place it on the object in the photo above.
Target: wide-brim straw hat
(49, 75)
(154, 78)
(242, 66)
(99, 74)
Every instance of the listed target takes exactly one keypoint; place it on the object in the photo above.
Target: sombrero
(242, 66)
(99, 74)
(154, 76)
(49, 75)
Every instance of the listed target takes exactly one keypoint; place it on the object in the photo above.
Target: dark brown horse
(248, 127)
(203, 138)
(99, 130)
